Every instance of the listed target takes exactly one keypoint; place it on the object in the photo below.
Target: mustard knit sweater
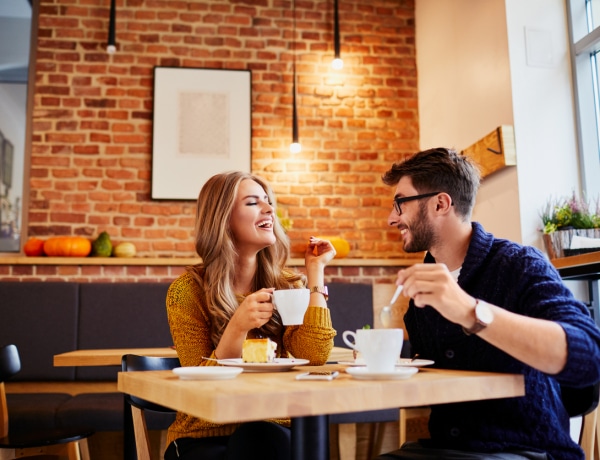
(190, 323)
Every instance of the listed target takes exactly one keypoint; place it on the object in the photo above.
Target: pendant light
(111, 47)
(295, 146)
(337, 62)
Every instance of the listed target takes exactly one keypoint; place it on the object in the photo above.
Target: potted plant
(567, 216)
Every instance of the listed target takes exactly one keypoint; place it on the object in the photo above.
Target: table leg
(310, 438)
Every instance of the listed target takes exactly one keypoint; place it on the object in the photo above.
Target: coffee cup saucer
(398, 373)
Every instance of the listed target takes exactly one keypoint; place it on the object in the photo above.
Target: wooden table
(258, 396)
(112, 357)
(108, 356)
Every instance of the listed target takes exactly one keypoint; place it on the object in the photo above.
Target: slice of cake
(258, 351)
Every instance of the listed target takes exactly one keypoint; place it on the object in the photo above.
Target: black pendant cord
(295, 146)
(112, 26)
(336, 30)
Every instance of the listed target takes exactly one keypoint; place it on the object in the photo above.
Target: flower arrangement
(570, 213)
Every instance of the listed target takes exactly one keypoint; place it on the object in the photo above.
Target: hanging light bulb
(337, 62)
(295, 146)
(112, 24)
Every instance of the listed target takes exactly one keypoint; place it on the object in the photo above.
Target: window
(584, 18)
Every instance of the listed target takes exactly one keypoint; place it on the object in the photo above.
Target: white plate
(280, 364)
(403, 362)
(414, 362)
(207, 372)
(398, 373)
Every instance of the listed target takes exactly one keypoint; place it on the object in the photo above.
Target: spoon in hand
(386, 312)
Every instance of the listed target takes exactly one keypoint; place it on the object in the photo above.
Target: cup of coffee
(380, 348)
(291, 304)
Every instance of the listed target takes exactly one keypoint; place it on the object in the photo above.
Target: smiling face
(252, 218)
(414, 223)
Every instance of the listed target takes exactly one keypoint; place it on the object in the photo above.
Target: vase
(556, 242)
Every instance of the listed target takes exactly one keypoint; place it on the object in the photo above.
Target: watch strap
(478, 326)
(321, 290)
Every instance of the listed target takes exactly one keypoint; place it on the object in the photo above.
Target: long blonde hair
(216, 246)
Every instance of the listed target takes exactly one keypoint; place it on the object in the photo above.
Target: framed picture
(202, 127)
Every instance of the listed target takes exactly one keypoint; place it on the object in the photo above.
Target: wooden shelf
(184, 261)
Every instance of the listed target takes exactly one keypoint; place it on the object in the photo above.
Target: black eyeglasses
(399, 201)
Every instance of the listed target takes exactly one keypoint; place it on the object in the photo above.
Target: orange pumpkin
(342, 247)
(34, 247)
(67, 246)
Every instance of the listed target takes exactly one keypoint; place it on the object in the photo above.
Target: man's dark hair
(440, 170)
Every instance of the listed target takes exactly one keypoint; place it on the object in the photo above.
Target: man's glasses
(400, 201)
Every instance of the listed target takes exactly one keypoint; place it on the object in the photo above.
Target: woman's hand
(255, 311)
(319, 252)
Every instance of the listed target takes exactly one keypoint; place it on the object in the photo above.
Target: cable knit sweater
(519, 279)
(190, 321)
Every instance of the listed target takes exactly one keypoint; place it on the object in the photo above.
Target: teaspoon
(386, 312)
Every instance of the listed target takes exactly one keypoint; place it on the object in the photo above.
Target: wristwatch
(483, 317)
(321, 290)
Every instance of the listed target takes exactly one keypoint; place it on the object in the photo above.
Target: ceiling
(15, 27)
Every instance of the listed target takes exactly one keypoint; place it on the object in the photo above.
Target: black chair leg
(129, 450)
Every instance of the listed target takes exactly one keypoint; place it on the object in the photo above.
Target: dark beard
(421, 233)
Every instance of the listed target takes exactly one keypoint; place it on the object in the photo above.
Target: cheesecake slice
(258, 351)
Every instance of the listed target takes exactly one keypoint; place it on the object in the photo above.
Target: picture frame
(7, 163)
(201, 127)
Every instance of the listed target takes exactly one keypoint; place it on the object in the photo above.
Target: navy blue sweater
(519, 279)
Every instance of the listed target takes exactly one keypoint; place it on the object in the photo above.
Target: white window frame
(585, 85)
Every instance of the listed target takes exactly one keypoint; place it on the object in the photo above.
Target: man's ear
(443, 202)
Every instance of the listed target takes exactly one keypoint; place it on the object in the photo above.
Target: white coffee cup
(291, 304)
(380, 348)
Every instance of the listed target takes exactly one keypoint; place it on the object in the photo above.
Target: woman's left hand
(319, 250)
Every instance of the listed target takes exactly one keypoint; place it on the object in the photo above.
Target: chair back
(580, 401)
(147, 363)
(10, 363)
(351, 308)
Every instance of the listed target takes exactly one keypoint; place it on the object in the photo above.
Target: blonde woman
(217, 304)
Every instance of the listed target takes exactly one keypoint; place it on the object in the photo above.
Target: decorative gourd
(342, 247)
(34, 247)
(102, 246)
(67, 246)
(124, 249)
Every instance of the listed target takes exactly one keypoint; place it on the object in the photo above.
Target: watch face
(484, 312)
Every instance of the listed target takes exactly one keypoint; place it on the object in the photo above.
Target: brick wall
(92, 120)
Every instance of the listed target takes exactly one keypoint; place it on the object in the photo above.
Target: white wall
(474, 76)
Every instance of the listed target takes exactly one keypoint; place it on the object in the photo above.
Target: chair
(140, 406)
(583, 402)
(64, 443)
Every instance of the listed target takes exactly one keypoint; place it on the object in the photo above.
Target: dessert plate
(361, 373)
(279, 365)
(403, 362)
(207, 372)
(414, 362)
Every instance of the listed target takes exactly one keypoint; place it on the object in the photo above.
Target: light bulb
(111, 49)
(337, 64)
(295, 147)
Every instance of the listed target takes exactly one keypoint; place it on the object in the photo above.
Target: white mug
(291, 304)
(380, 348)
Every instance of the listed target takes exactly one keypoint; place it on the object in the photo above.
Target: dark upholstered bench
(47, 318)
